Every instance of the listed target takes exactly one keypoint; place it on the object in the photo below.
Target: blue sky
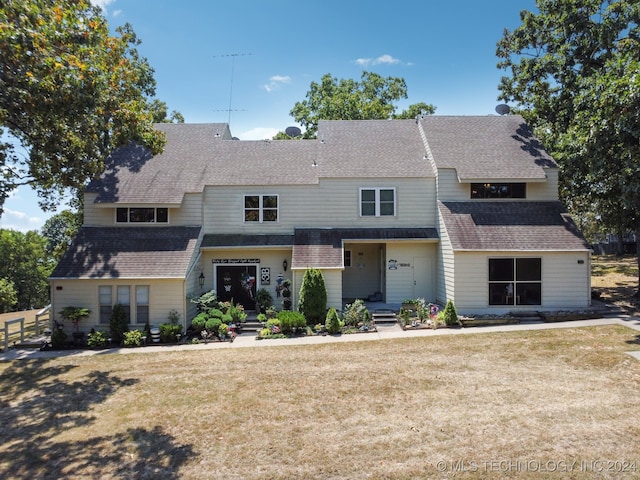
(445, 51)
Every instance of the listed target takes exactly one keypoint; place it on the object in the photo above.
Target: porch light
(285, 264)
(201, 279)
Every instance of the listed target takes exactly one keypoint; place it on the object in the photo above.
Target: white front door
(422, 278)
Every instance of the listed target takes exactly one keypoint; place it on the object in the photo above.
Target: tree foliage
(574, 72)
(26, 266)
(59, 231)
(70, 93)
(372, 98)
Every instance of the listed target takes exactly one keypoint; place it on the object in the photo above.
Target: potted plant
(75, 314)
(263, 300)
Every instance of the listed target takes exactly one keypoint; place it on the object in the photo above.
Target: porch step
(383, 315)
(250, 326)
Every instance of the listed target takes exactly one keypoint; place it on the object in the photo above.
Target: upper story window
(142, 215)
(261, 208)
(498, 190)
(377, 202)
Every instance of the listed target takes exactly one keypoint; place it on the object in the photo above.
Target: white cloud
(260, 133)
(103, 4)
(20, 221)
(381, 60)
(276, 82)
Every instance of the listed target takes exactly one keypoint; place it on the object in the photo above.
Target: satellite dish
(293, 132)
(503, 109)
(235, 138)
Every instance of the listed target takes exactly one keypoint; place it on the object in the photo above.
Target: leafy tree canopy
(574, 72)
(59, 231)
(372, 98)
(70, 93)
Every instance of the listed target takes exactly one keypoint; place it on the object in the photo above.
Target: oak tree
(70, 93)
(574, 72)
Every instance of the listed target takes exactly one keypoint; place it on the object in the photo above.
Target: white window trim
(260, 207)
(377, 201)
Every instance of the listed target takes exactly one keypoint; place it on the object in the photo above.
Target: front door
(237, 283)
(422, 274)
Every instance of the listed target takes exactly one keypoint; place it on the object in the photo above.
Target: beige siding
(95, 215)
(450, 189)
(400, 280)
(164, 296)
(189, 213)
(332, 203)
(446, 267)
(565, 282)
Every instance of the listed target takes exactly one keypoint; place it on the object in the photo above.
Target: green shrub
(332, 322)
(205, 301)
(223, 330)
(58, 338)
(450, 316)
(97, 339)
(199, 321)
(133, 338)
(261, 317)
(215, 313)
(213, 325)
(236, 314)
(169, 332)
(291, 320)
(174, 316)
(118, 324)
(313, 296)
(355, 313)
(286, 294)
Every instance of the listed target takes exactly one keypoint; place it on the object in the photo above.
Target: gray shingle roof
(488, 147)
(322, 247)
(195, 157)
(510, 226)
(129, 252)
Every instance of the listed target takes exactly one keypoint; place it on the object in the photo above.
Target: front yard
(482, 405)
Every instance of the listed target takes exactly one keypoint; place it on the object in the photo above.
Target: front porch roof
(323, 247)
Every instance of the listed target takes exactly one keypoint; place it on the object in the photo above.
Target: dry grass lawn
(388, 409)
(488, 405)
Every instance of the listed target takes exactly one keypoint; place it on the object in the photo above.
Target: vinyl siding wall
(565, 282)
(164, 295)
(332, 203)
(450, 189)
(446, 267)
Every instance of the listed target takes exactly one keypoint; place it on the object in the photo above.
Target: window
(124, 299)
(142, 304)
(515, 281)
(142, 215)
(377, 202)
(106, 303)
(498, 190)
(261, 208)
(347, 258)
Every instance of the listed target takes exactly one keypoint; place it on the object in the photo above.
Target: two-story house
(445, 208)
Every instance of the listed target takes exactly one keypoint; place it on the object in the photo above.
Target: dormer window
(498, 190)
(142, 215)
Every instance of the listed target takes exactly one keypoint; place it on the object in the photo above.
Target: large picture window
(498, 190)
(142, 215)
(515, 281)
(261, 208)
(377, 202)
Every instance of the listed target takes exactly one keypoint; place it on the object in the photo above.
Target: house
(444, 208)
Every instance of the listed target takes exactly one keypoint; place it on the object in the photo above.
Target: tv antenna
(233, 62)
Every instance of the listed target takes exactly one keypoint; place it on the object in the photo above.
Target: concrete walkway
(384, 332)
